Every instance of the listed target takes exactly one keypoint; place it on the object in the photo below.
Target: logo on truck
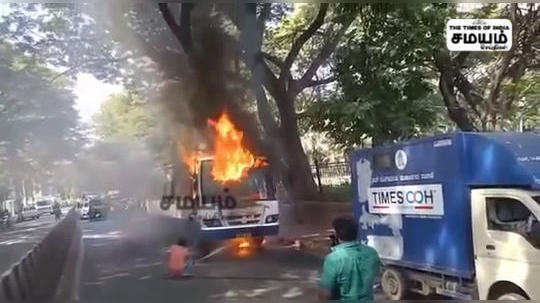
(401, 159)
(424, 199)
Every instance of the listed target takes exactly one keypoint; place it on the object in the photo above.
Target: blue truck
(455, 214)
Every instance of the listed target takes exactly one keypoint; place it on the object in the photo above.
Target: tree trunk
(298, 175)
(18, 205)
(457, 113)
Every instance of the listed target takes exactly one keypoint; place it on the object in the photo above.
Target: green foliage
(410, 32)
(524, 112)
(38, 124)
(351, 122)
(124, 116)
(62, 35)
(386, 90)
(278, 39)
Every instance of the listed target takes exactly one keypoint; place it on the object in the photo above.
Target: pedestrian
(57, 211)
(349, 270)
(180, 261)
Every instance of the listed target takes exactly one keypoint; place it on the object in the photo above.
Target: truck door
(506, 243)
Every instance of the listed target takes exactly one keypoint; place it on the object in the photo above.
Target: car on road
(66, 209)
(29, 213)
(97, 209)
(84, 210)
(44, 207)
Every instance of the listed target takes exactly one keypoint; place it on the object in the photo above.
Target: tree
(209, 83)
(480, 103)
(384, 92)
(470, 84)
(523, 113)
(131, 139)
(273, 74)
(38, 124)
(124, 116)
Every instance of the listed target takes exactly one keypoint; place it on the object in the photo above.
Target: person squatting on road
(349, 270)
(180, 261)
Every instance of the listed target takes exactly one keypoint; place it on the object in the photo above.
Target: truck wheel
(511, 296)
(393, 284)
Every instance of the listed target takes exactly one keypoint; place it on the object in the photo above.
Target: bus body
(245, 208)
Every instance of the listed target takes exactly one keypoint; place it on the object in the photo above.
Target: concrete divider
(47, 273)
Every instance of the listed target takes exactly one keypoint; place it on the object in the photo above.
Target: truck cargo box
(412, 199)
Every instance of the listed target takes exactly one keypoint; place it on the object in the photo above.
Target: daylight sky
(91, 93)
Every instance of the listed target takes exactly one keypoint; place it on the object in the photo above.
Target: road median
(48, 272)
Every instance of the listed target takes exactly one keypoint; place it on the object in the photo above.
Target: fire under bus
(243, 208)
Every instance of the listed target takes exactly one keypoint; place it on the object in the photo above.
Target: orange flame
(231, 159)
(190, 159)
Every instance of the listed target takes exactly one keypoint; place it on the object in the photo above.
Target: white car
(29, 213)
(44, 207)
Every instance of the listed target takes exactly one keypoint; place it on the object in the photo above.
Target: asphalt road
(21, 237)
(124, 262)
(121, 267)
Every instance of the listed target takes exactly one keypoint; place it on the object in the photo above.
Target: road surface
(124, 262)
(21, 237)
(120, 267)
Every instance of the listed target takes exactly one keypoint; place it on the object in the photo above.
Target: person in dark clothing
(57, 211)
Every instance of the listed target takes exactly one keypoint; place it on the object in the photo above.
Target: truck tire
(511, 296)
(393, 284)
(506, 291)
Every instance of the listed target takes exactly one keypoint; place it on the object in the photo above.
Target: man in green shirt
(349, 270)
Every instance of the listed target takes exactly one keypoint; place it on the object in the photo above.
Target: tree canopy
(124, 116)
(38, 123)
(356, 72)
(394, 57)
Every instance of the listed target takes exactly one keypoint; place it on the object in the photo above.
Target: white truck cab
(506, 238)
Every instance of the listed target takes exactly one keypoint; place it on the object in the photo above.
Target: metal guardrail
(46, 272)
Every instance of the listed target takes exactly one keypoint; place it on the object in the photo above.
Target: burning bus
(246, 207)
(232, 194)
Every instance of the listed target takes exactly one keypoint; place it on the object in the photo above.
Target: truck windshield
(258, 185)
(43, 203)
(511, 215)
(537, 199)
